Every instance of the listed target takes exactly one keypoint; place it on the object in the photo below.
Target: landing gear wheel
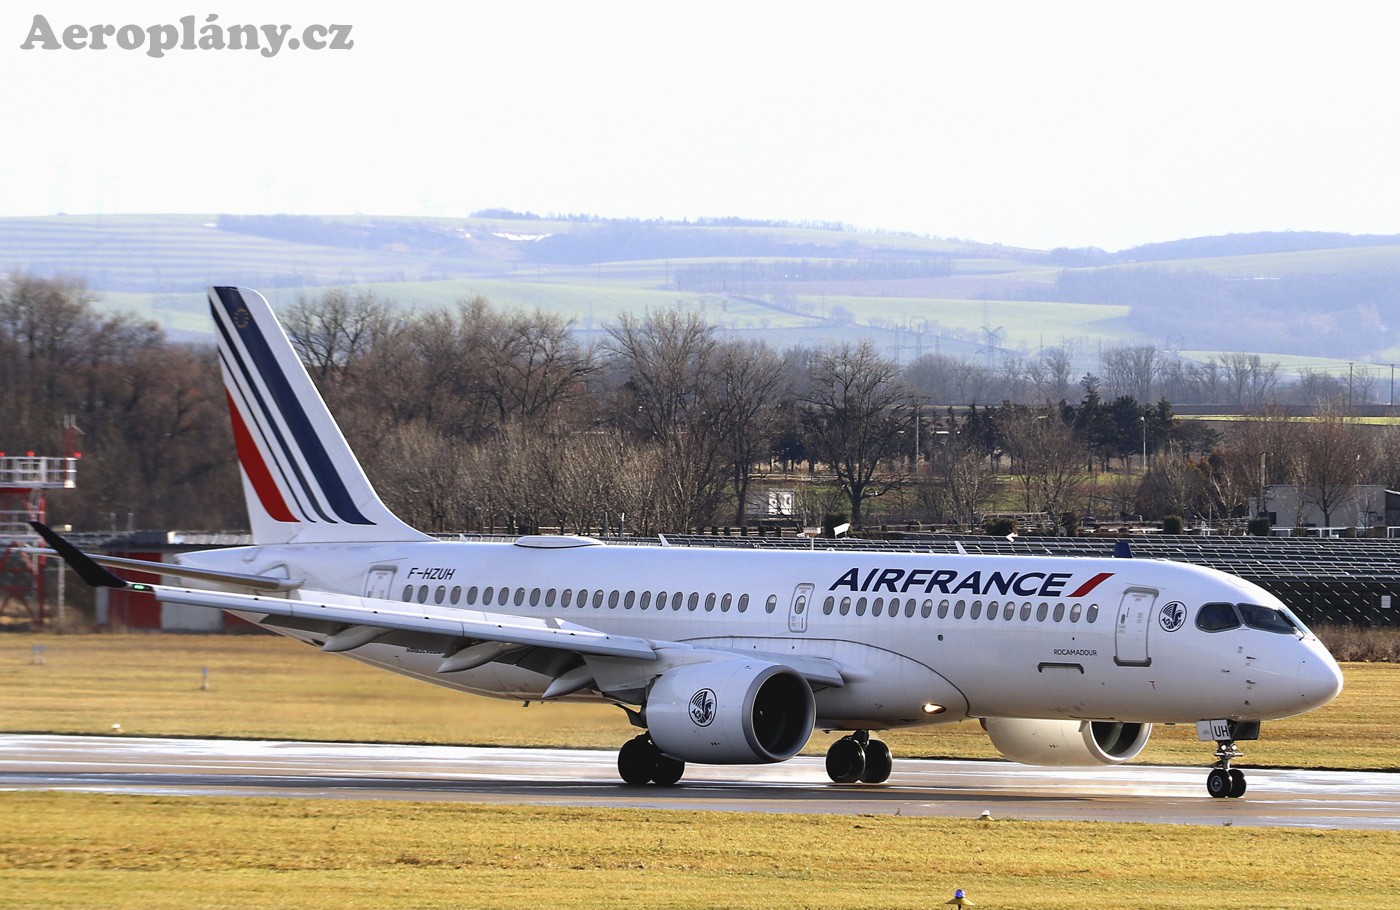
(845, 761)
(878, 762)
(637, 760)
(1237, 783)
(668, 770)
(1218, 783)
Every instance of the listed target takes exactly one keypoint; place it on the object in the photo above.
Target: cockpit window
(1267, 619)
(1217, 618)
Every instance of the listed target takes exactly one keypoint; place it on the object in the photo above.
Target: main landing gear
(640, 762)
(859, 758)
(1225, 782)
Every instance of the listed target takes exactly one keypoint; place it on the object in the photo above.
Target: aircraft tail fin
(301, 481)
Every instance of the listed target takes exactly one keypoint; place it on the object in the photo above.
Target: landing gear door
(1130, 637)
(380, 582)
(797, 612)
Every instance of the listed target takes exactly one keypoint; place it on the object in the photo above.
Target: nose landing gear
(857, 757)
(1223, 781)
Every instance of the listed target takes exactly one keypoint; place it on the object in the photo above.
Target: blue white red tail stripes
(301, 480)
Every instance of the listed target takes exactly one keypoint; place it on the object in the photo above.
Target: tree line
(474, 418)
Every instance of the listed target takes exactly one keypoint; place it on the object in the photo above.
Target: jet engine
(1066, 742)
(730, 712)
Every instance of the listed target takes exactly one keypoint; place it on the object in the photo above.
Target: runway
(563, 777)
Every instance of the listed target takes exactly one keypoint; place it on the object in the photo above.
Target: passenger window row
(995, 609)
(491, 596)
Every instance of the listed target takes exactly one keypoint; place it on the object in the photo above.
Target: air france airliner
(731, 656)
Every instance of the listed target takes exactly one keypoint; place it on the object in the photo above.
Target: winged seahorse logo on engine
(703, 705)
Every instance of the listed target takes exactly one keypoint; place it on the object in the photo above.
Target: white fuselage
(920, 638)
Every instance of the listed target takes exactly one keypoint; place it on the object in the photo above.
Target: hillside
(1294, 294)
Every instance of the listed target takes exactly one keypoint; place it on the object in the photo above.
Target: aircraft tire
(1237, 783)
(845, 761)
(637, 761)
(668, 770)
(1218, 783)
(878, 762)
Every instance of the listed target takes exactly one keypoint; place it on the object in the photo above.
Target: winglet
(1122, 549)
(80, 562)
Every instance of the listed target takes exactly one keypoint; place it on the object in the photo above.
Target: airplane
(730, 656)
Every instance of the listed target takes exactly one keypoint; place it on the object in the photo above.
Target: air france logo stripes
(281, 452)
(976, 583)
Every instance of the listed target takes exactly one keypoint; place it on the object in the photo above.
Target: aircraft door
(380, 582)
(1130, 637)
(801, 603)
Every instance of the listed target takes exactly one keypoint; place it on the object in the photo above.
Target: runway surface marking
(565, 777)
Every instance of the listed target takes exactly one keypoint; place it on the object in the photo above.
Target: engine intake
(1066, 742)
(730, 712)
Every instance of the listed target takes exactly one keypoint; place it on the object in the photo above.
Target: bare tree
(852, 418)
(1047, 460)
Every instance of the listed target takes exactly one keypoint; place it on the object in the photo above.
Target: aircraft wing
(340, 610)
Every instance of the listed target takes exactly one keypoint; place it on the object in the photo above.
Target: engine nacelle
(730, 712)
(1066, 742)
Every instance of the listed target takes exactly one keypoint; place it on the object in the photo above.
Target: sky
(1034, 124)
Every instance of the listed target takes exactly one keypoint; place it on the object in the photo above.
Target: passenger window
(693, 602)
(582, 599)
(878, 607)
(487, 595)
(1093, 613)
(1059, 613)
(927, 609)
(709, 603)
(504, 597)
(1026, 611)
(519, 596)
(440, 594)
(661, 601)
(1042, 611)
(1217, 618)
(976, 609)
(943, 609)
(726, 602)
(845, 606)
(646, 600)
(422, 594)
(567, 597)
(772, 603)
(629, 599)
(534, 597)
(407, 592)
(456, 595)
(549, 598)
(992, 609)
(471, 595)
(1075, 612)
(612, 600)
(743, 603)
(828, 605)
(861, 604)
(959, 608)
(598, 599)
(912, 604)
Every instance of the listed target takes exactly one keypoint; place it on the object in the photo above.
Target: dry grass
(81, 850)
(272, 688)
(1355, 644)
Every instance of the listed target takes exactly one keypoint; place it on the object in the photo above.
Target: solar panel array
(1322, 580)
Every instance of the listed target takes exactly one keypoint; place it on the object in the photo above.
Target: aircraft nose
(1319, 679)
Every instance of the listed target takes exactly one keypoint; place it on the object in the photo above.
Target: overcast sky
(1032, 124)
